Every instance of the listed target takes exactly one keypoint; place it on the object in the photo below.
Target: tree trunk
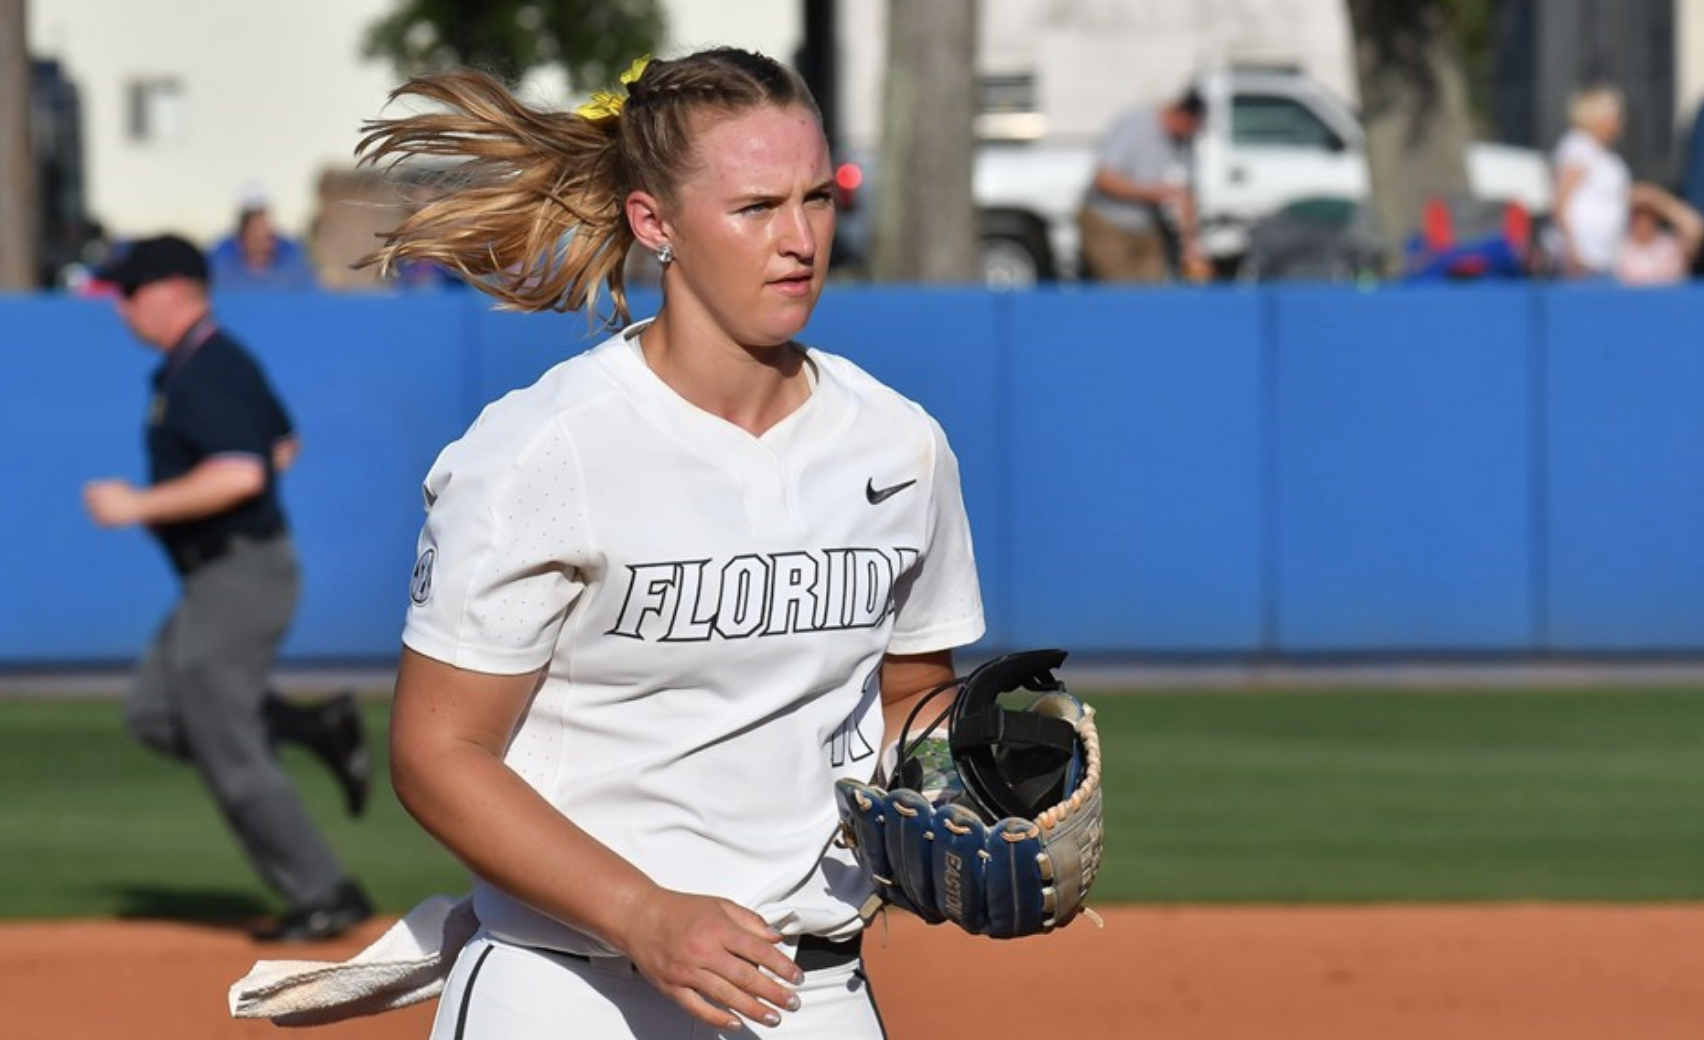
(925, 221)
(19, 212)
(1414, 104)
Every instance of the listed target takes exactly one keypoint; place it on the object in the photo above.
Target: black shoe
(318, 923)
(342, 744)
(332, 730)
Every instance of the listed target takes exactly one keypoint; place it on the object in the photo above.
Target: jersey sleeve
(498, 567)
(938, 605)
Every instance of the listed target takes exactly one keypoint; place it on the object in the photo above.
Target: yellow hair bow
(607, 105)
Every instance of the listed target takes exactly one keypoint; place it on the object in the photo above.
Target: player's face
(751, 227)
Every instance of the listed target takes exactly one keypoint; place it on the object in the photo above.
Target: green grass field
(1338, 796)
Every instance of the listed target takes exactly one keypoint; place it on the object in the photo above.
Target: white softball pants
(501, 992)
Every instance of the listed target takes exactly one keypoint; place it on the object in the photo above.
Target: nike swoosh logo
(879, 495)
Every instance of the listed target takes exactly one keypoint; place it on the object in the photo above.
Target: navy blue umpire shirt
(211, 399)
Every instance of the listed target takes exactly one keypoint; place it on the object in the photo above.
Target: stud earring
(665, 254)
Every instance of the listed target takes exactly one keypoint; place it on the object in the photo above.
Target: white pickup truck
(1270, 138)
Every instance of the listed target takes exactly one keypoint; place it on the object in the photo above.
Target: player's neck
(752, 387)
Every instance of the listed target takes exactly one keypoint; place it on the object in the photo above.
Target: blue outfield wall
(1402, 447)
(1224, 472)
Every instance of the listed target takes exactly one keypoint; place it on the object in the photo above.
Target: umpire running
(217, 438)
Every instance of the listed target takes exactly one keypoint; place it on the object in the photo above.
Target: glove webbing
(1049, 742)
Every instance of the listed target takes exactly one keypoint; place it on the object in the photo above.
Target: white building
(189, 104)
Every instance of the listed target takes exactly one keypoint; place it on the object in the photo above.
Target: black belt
(817, 953)
(193, 556)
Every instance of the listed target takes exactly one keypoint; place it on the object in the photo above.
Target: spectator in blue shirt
(257, 256)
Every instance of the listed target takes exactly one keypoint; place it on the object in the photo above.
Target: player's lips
(798, 284)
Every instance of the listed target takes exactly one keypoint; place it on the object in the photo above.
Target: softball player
(666, 595)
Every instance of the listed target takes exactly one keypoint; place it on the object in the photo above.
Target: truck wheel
(1007, 263)
(1013, 249)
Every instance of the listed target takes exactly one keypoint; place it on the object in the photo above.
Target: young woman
(666, 595)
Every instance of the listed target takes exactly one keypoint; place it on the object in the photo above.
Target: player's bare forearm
(449, 728)
(906, 678)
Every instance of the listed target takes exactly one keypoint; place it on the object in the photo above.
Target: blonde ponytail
(532, 213)
(533, 210)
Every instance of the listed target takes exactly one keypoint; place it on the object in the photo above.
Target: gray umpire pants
(199, 697)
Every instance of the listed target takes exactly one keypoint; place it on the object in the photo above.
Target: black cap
(151, 260)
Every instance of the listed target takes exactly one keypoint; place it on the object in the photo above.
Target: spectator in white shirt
(1592, 187)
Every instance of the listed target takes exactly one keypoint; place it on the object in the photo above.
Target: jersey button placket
(771, 502)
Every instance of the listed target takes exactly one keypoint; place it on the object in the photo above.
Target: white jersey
(713, 608)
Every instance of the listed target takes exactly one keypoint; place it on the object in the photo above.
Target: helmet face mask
(1016, 761)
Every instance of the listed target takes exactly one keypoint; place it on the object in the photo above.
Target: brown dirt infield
(1372, 973)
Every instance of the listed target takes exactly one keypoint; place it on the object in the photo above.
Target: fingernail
(792, 1002)
(798, 975)
(772, 1019)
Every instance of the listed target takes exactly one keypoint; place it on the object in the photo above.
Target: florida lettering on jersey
(760, 594)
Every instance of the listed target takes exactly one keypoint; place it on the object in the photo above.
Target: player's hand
(113, 503)
(713, 957)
